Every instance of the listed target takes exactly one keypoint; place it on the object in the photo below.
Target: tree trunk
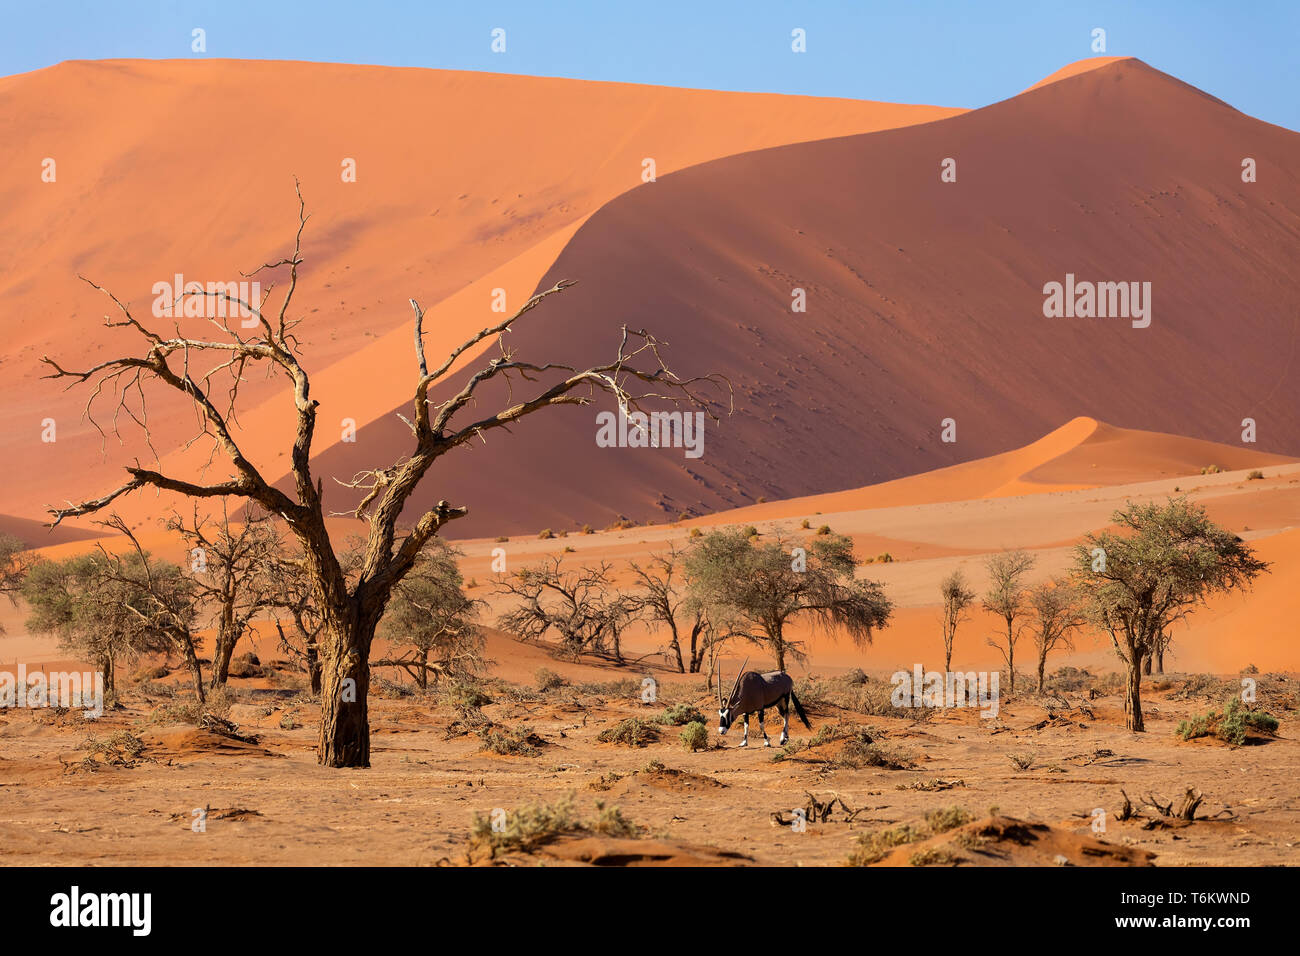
(947, 657)
(1042, 668)
(697, 650)
(345, 687)
(1011, 658)
(1160, 661)
(1146, 665)
(196, 669)
(106, 668)
(1133, 696)
(422, 677)
(313, 666)
(222, 651)
(676, 645)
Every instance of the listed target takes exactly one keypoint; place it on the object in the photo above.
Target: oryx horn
(739, 674)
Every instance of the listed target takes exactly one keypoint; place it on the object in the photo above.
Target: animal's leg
(762, 730)
(744, 740)
(784, 708)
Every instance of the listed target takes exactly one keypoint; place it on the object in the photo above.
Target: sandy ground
(269, 803)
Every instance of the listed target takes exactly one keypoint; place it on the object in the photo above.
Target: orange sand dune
(924, 302)
(1083, 453)
(168, 167)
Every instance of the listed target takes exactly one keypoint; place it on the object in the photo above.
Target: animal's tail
(798, 709)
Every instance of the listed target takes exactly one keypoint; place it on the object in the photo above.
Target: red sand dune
(465, 182)
(925, 302)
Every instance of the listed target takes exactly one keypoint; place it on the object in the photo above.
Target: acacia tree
(350, 610)
(1007, 597)
(1055, 613)
(957, 600)
(96, 615)
(15, 562)
(664, 600)
(1164, 562)
(224, 567)
(161, 597)
(581, 606)
(432, 614)
(752, 590)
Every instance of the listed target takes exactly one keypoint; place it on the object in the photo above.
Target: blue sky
(950, 52)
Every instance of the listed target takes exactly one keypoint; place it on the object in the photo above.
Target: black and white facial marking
(724, 721)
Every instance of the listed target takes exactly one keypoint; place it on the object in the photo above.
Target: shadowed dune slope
(924, 302)
(166, 167)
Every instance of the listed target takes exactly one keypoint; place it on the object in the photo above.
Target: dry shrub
(534, 825)
(632, 732)
(510, 741)
(872, 847)
(695, 736)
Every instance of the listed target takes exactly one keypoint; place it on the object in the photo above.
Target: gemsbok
(754, 693)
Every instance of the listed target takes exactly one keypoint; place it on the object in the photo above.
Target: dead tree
(636, 376)
(224, 565)
(579, 605)
(664, 600)
(1055, 615)
(1008, 599)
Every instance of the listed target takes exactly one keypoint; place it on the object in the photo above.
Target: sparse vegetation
(695, 736)
(933, 856)
(679, 715)
(1231, 725)
(873, 847)
(547, 679)
(1022, 761)
(632, 732)
(510, 741)
(947, 818)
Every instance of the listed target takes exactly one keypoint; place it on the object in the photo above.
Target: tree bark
(196, 669)
(1042, 668)
(106, 668)
(222, 651)
(345, 681)
(1133, 696)
(313, 666)
(676, 645)
(1011, 656)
